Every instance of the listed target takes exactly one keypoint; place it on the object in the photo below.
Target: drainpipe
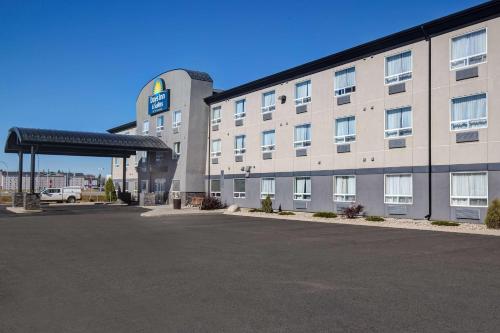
(429, 135)
(209, 147)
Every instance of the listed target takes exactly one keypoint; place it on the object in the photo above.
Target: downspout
(429, 126)
(209, 159)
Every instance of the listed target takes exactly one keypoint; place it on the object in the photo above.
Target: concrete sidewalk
(399, 223)
(166, 210)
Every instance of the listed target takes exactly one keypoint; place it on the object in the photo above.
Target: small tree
(109, 190)
(492, 219)
(267, 205)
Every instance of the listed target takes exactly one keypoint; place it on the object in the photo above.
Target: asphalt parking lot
(106, 269)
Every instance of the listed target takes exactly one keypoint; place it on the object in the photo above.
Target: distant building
(8, 180)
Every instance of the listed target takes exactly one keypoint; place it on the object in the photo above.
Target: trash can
(177, 203)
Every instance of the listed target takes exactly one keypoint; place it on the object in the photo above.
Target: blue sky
(80, 65)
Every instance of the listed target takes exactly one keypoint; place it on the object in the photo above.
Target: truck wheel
(71, 200)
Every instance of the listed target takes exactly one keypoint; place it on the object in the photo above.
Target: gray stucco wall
(186, 96)
(369, 193)
(196, 145)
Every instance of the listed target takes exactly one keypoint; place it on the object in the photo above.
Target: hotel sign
(160, 100)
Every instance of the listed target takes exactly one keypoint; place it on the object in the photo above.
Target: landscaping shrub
(492, 219)
(93, 196)
(5, 199)
(353, 211)
(109, 190)
(267, 205)
(445, 223)
(375, 218)
(286, 213)
(255, 210)
(328, 215)
(210, 203)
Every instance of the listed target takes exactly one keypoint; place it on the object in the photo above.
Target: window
(267, 188)
(176, 118)
(145, 127)
(302, 188)
(239, 111)
(215, 187)
(303, 92)
(216, 148)
(126, 162)
(160, 123)
(158, 157)
(469, 189)
(398, 67)
(344, 188)
(142, 156)
(160, 185)
(239, 188)
(468, 49)
(239, 144)
(176, 152)
(345, 81)
(469, 112)
(176, 185)
(398, 122)
(345, 129)
(216, 116)
(117, 162)
(302, 136)
(398, 189)
(268, 102)
(268, 141)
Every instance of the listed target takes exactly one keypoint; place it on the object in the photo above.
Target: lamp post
(99, 179)
(7, 175)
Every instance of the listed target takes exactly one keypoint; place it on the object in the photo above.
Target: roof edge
(194, 75)
(431, 28)
(122, 127)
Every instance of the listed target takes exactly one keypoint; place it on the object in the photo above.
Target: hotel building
(407, 125)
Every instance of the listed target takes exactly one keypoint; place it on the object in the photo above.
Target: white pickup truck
(69, 194)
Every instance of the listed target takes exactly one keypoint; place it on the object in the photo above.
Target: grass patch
(286, 213)
(375, 218)
(445, 223)
(255, 210)
(328, 215)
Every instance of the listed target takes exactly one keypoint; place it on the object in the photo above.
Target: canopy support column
(20, 173)
(32, 175)
(124, 178)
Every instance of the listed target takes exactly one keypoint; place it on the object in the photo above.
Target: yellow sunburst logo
(158, 86)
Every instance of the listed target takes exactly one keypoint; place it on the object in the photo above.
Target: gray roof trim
(195, 75)
(469, 16)
(123, 127)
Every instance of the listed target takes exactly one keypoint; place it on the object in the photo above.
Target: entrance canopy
(52, 142)
(55, 142)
